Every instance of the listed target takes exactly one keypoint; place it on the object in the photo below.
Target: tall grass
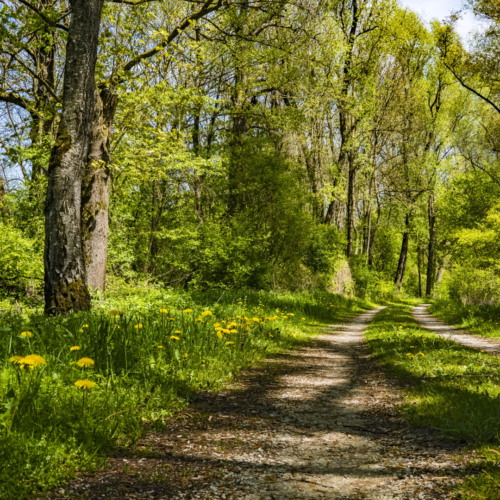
(149, 350)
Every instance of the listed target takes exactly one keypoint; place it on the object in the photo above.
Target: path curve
(436, 326)
(317, 422)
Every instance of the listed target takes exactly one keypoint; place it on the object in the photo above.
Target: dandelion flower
(216, 325)
(173, 337)
(138, 326)
(35, 360)
(206, 313)
(233, 331)
(229, 343)
(74, 348)
(422, 354)
(160, 347)
(114, 312)
(171, 319)
(26, 334)
(187, 311)
(200, 320)
(303, 318)
(257, 320)
(219, 334)
(81, 331)
(240, 303)
(177, 331)
(85, 384)
(15, 359)
(85, 363)
(186, 355)
(163, 311)
(85, 326)
(249, 329)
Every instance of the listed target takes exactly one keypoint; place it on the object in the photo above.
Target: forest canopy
(336, 145)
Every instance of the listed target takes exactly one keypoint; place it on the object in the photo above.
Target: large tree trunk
(65, 276)
(95, 190)
(430, 262)
(400, 273)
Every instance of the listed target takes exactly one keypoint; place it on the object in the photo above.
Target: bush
(474, 286)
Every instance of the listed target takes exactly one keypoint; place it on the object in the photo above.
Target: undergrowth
(450, 387)
(72, 387)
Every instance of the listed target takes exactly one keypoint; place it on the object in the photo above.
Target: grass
(481, 320)
(449, 387)
(148, 357)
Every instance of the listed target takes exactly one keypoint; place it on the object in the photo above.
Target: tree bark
(65, 275)
(430, 261)
(419, 266)
(400, 273)
(350, 210)
(95, 190)
(373, 239)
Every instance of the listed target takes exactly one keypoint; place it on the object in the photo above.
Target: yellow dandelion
(177, 331)
(171, 319)
(207, 313)
(74, 348)
(173, 337)
(160, 347)
(85, 385)
(81, 331)
(36, 360)
(270, 335)
(138, 326)
(216, 325)
(114, 312)
(199, 320)
(85, 326)
(85, 363)
(15, 359)
(421, 354)
(303, 318)
(219, 334)
(240, 303)
(228, 343)
(257, 320)
(187, 311)
(186, 355)
(249, 329)
(163, 311)
(233, 331)
(26, 334)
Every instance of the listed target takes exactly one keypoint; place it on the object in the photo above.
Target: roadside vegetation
(72, 387)
(449, 387)
(479, 319)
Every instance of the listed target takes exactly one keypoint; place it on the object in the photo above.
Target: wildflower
(202, 360)
(36, 360)
(270, 335)
(200, 320)
(85, 363)
(422, 354)
(303, 318)
(257, 320)
(249, 329)
(15, 359)
(219, 334)
(138, 326)
(228, 343)
(233, 331)
(216, 325)
(74, 348)
(85, 326)
(81, 331)
(188, 310)
(177, 331)
(114, 312)
(186, 355)
(85, 384)
(26, 334)
(171, 319)
(160, 347)
(240, 303)
(163, 311)
(206, 313)
(173, 337)
(291, 314)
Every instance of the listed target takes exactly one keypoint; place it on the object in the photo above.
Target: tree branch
(208, 7)
(16, 99)
(43, 16)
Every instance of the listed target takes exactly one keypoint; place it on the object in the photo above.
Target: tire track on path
(316, 422)
(448, 332)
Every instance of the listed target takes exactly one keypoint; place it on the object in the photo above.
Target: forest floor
(316, 422)
(436, 326)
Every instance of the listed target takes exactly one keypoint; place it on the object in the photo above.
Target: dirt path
(318, 422)
(463, 337)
